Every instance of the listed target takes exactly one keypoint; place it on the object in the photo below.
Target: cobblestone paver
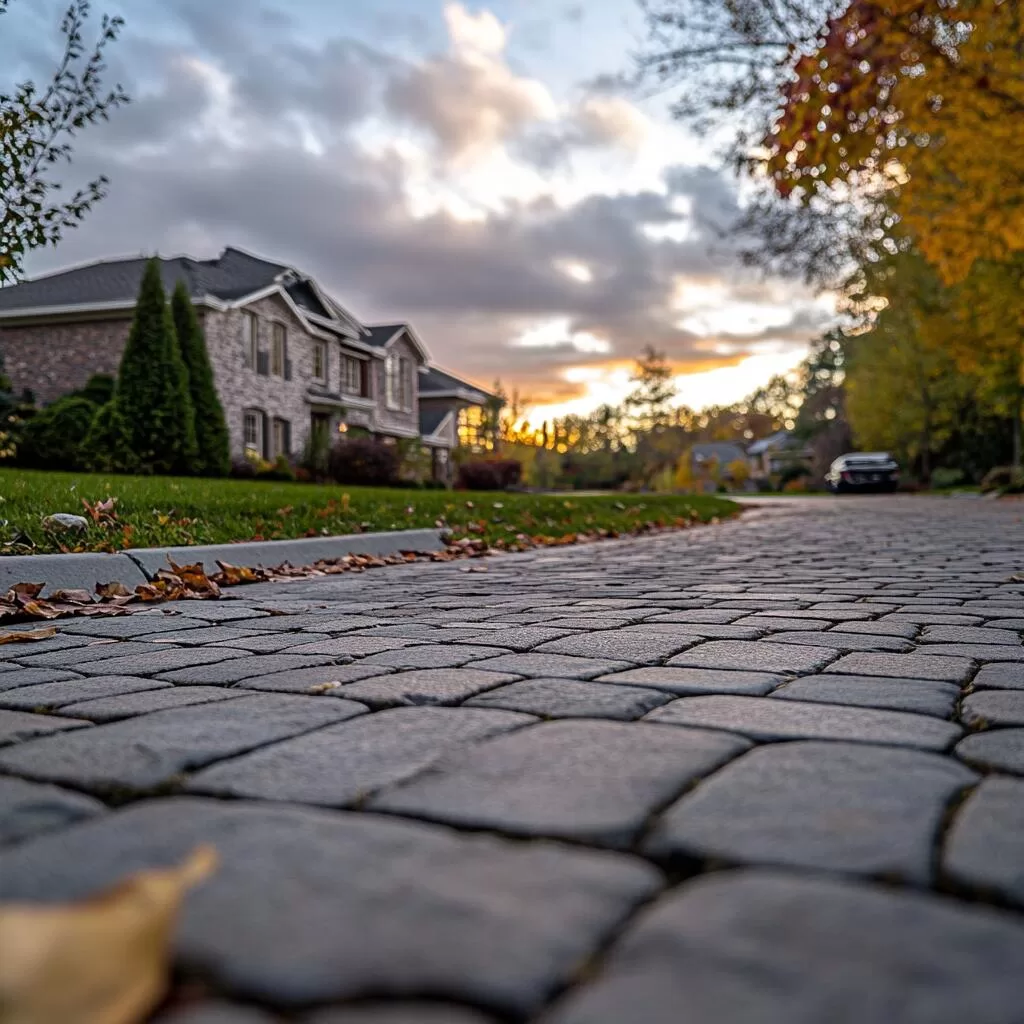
(764, 772)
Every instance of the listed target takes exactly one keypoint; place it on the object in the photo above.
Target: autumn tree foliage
(37, 126)
(211, 429)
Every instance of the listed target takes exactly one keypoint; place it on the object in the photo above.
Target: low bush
(107, 447)
(280, 469)
(53, 438)
(946, 476)
(1006, 479)
(245, 468)
(99, 389)
(489, 475)
(362, 460)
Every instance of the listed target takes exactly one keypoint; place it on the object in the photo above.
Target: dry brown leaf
(72, 596)
(26, 637)
(105, 960)
(106, 590)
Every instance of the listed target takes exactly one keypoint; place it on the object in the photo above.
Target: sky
(479, 170)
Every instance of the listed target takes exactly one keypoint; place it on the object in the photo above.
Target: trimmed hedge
(489, 475)
(362, 460)
(54, 438)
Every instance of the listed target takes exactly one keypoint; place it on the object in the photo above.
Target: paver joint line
(466, 788)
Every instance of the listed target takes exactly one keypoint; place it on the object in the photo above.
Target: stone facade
(404, 422)
(55, 358)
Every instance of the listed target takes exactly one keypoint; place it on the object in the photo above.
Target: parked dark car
(862, 472)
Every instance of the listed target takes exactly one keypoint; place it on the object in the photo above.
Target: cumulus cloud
(274, 144)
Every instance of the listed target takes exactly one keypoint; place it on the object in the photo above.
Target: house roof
(780, 439)
(442, 384)
(431, 419)
(380, 334)
(230, 276)
(723, 451)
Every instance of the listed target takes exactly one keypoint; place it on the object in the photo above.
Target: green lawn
(156, 511)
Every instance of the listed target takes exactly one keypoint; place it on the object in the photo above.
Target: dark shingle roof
(723, 451)
(780, 439)
(431, 419)
(231, 275)
(440, 380)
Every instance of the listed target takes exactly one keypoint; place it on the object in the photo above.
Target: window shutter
(287, 436)
(263, 363)
(287, 369)
(267, 439)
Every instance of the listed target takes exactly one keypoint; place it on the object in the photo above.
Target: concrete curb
(137, 565)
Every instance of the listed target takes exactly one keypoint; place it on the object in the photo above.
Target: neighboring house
(776, 453)
(287, 358)
(708, 464)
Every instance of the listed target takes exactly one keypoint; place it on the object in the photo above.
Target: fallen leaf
(26, 637)
(72, 596)
(105, 960)
(105, 590)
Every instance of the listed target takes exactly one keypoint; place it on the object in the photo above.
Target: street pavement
(765, 771)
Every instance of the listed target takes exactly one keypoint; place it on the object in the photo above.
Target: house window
(472, 428)
(320, 360)
(392, 383)
(253, 431)
(278, 352)
(352, 376)
(282, 438)
(250, 340)
(405, 383)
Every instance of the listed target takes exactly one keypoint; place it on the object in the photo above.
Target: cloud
(295, 149)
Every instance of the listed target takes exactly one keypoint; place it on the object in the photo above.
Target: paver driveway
(770, 771)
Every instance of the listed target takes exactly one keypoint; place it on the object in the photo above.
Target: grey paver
(904, 666)
(314, 680)
(755, 947)
(990, 708)
(764, 718)
(998, 677)
(29, 808)
(571, 698)
(433, 656)
(699, 631)
(271, 643)
(16, 677)
(111, 709)
(539, 666)
(519, 638)
(756, 656)
(985, 846)
(695, 680)
(779, 623)
(425, 687)
(346, 648)
(160, 660)
(591, 781)
(55, 695)
(217, 1013)
(193, 637)
(341, 765)
(621, 645)
(842, 807)
(16, 726)
(326, 620)
(128, 626)
(1000, 749)
(479, 920)
(400, 1013)
(889, 627)
(98, 650)
(140, 753)
(920, 696)
(224, 673)
(968, 635)
(978, 652)
(845, 641)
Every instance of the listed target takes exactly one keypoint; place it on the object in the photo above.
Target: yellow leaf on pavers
(105, 960)
(25, 637)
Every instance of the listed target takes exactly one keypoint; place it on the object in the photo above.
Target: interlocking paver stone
(346, 648)
(309, 906)
(316, 679)
(755, 947)
(993, 708)
(224, 673)
(539, 665)
(16, 677)
(695, 680)
(845, 641)
(520, 638)
(757, 656)
(907, 630)
(433, 656)
(968, 635)
(592, 781)
(98, 650)
(401, 1013)
(341, 765)
(272, 643)
(997, 677)
(904, 666)
(763, 718)
(55, 695)
(110, 709)
(921, 696)
(842, 807)
(16, 726)
(144, 752)
(426, 687)
(217, 1013)
(985, 847)
(1000, 749)
(28, 808)
(622, 645)
(161, 659)
(571, 698)
(129, 626)
(979, 652)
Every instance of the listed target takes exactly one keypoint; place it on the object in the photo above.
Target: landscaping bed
(151, 511)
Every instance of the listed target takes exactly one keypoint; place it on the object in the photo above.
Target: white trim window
(392, 381)
(281, 435)
(279, 349)
(351, 375)
(320, 361)
(252, 426)
(250, 340)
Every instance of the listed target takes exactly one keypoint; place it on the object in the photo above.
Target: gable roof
(780, 439)
(382, 335)
(431, 420)
(436, 383)
(723, 451)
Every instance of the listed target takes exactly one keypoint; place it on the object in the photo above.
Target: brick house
(287, 358)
